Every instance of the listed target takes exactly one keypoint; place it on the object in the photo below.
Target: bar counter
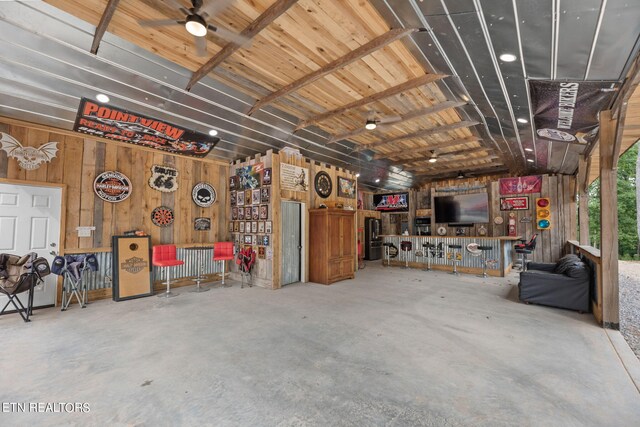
(500, 255)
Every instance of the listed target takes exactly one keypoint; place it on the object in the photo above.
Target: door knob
(53, 245)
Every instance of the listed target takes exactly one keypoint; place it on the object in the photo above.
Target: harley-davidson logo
(134, 265)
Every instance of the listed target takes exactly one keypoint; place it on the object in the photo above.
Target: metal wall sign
(163, 178)
(110, 122)
(514, 203)
(293, 177)
(394, 202)
(204, 224)
(112, 186)
(28, 158)
(203, 194)
(568, 111)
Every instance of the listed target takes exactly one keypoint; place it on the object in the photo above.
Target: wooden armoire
(332, 245)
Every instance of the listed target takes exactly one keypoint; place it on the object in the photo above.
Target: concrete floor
(392, 347)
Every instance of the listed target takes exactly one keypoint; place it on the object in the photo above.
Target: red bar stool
(223, 251)
(164, 256)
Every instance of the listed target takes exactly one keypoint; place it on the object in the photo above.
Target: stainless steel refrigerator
(372, 239)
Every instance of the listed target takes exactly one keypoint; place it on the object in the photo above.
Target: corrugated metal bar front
(468, 260)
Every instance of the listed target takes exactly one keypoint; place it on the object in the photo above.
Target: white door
(30, 222)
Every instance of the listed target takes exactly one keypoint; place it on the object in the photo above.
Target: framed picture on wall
(234, 213)
(236, 226)
(232, 198)
(261, 227)
(241, 213)
(254, 240)
(264, 212)
(265, 240)
(255, 213)
(240, 198)
(255, 197)
(254, 226)
(248, 239)
(266, 176)
(247, 212)
(261, 252)
(265, 194)
(267, 227)
(346, 188)
(242, 226)
(247, 197)
(231, 226)
(233, 182)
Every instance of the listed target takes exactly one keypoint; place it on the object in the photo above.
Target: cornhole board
(131, 267)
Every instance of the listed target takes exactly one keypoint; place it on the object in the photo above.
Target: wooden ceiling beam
(392, 91)
(268, 16)
(461, 167)
(418, 134)
(353, 56)
(465, 151)
(445, 163)
(444, 144)
(488, 171)
(434, 109)
(105, 19)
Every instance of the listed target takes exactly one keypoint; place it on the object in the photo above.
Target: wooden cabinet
(332, 245)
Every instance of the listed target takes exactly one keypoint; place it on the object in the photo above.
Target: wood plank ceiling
(332, 64)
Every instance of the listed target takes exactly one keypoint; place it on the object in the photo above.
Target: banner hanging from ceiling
(568, 111)
(114, 123)
(520, 185)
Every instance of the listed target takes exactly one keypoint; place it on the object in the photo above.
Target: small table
(201, 250)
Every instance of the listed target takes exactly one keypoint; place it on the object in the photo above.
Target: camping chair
(72, 269)
(18, 275)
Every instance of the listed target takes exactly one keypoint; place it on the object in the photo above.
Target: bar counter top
(455, 237)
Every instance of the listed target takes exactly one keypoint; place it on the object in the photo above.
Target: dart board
(162, 216)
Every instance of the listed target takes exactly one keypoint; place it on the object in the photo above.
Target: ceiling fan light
(196, 26)
(460, 175)
(370, 125)
(433, 159)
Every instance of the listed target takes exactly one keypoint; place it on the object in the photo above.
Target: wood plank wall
(80, 159)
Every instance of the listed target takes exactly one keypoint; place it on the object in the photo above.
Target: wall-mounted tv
(462, 208)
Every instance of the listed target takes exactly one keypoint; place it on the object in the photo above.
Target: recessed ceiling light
(522, 120)
(508, 57)
(530, 160)
(101, 97)
(377, 179)
(370, 125)
(357, 175)
(433, 160)
(213, 132)
(196, 26)
(528, 149)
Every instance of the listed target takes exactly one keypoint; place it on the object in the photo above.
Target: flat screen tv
(462, 208)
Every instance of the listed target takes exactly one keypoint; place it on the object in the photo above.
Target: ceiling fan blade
(390, 119)
(201, 45)
(158, 22)
(229, 35)
(214, 7)
(175, 4)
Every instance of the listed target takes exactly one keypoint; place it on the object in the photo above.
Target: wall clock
(162, 216)
(323, 184)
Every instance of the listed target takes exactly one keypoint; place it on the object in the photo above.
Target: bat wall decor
(28, 158)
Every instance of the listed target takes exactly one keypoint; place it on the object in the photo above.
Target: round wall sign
(162, 216)
(498, 220)
(323, 184)
(112, 186)
(441, 231)
(203, 194)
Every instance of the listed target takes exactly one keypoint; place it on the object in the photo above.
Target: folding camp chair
(72, 268)
(18, 275)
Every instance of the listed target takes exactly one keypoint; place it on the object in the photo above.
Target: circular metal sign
(162, 216)
(112, 186)
(203, 194)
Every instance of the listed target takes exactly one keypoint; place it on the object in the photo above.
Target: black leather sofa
(565, 284)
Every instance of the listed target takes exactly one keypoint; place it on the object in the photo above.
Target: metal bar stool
(428, 252)
(406, 246)
(454, 258)
(484, 250)
(164, 256)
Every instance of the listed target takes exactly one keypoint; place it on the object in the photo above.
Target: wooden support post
(582, 187)
(609, 153)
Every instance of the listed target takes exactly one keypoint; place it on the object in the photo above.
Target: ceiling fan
(374, 119)
(195, 22)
